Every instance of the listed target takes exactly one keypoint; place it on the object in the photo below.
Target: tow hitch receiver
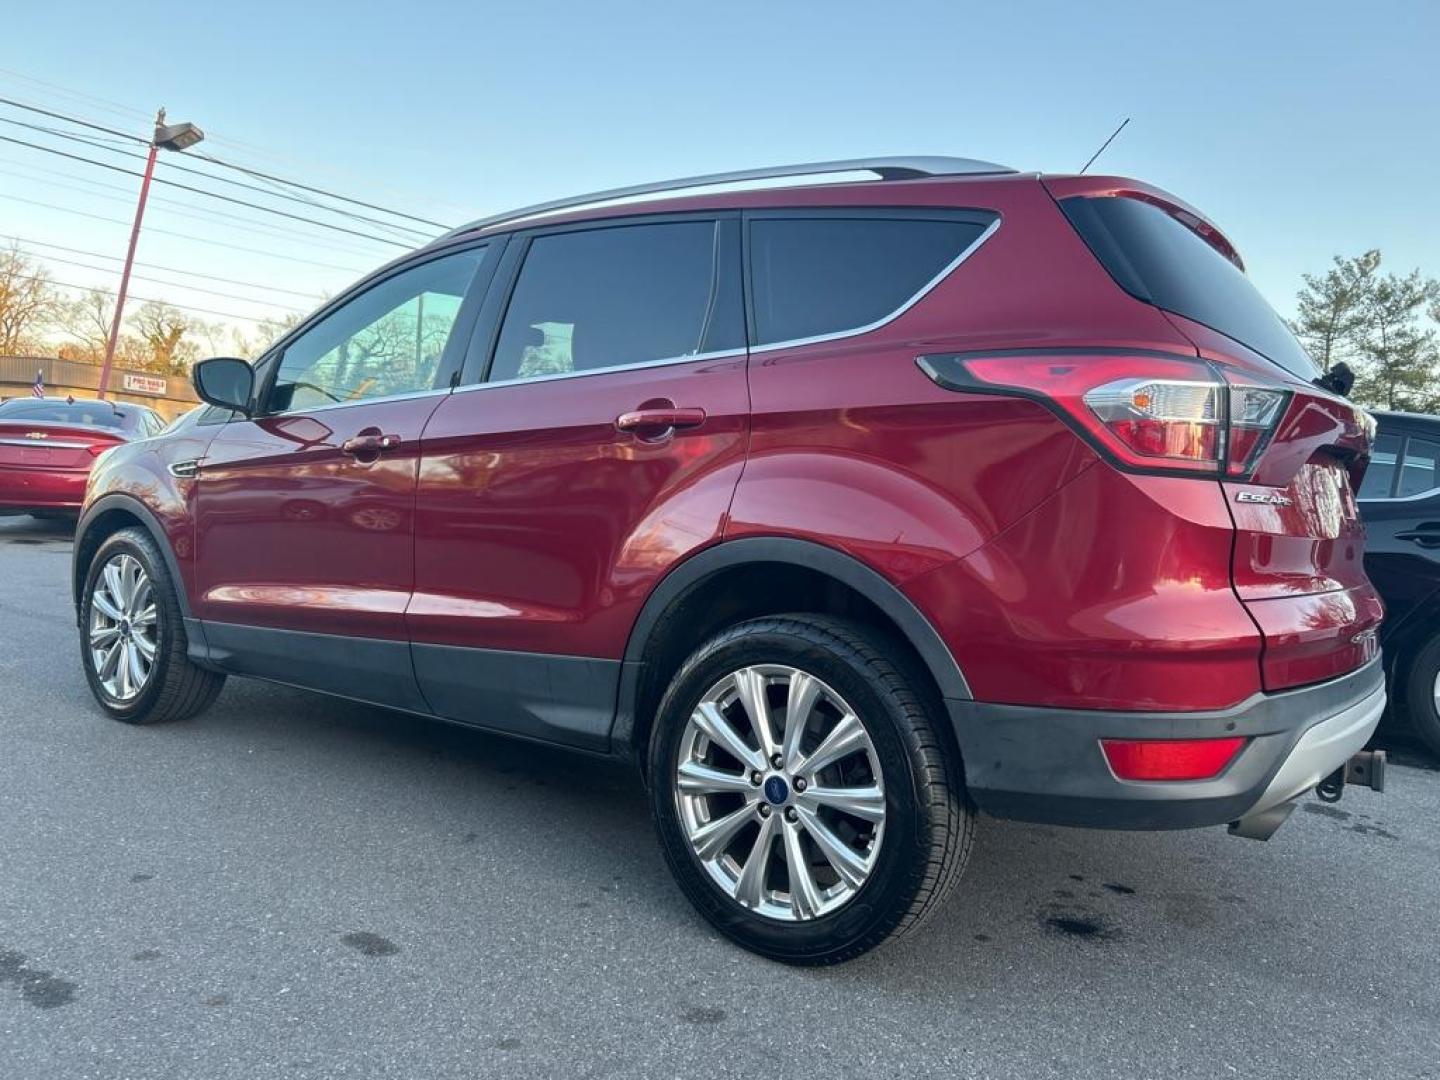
(1364, 769)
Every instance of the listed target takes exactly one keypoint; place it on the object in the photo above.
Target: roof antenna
(1106, 143)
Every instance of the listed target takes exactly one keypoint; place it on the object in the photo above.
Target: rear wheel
(805, 799)
(132, 636)
(1422, 695)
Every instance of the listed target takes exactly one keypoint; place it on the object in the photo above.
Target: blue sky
(1305, 129)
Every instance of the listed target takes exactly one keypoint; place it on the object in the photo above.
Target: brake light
(1169, 759)
(99, 448)
(1149, 410)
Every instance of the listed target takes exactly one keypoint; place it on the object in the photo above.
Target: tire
(173, 688)
(1422, 695)
(913, 855)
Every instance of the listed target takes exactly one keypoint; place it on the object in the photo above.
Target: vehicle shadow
(1037, 905)
(23, 529)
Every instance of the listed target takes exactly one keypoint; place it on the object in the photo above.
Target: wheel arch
(105, 517)
(790, 570)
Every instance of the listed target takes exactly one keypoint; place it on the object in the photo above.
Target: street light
(166, 137)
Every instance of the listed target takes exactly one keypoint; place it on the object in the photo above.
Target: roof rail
(886, 168)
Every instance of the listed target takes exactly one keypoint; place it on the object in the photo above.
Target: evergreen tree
(1333, 309)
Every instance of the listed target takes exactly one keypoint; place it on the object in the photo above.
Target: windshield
(82, 413)
(1157, 259)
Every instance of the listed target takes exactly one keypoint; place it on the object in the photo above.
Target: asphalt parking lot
(292, 886)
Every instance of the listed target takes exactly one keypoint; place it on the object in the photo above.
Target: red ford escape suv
(849, 510)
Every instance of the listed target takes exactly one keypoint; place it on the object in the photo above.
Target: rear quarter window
(817, 276)
(1157, 259)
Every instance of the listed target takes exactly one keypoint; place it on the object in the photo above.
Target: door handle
(659, 421)
(1427, 535)
(369, 444)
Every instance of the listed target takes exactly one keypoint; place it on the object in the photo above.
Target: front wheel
(805, 798)
(132, 636)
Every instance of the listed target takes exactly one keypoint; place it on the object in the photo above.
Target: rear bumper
(25, 489)
(1036, 764)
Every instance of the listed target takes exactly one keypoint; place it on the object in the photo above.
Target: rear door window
(1157, 259)
(613, 297)
(1420, 468)
(1380, 475)
(818, 276)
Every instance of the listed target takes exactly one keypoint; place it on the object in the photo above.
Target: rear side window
(1159, 260)
(1420, 468)
(614, 297)
(816, 276)
(1380, 474)
(83, 413)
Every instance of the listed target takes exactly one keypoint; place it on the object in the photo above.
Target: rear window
(814, 276)
(1380, 476)
(1157, 259)
(83, 413)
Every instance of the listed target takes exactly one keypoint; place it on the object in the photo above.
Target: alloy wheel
(780, 792)
(124, 630)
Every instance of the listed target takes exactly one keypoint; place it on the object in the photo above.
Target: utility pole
(169, 137)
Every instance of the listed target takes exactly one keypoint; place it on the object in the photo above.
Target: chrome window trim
(330, 406)
(1428, 493)
(45, 444)
(925, 289)
(668, 361)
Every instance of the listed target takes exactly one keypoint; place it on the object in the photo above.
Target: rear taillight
(1169, 759)
(99, 448)
(1148, 410)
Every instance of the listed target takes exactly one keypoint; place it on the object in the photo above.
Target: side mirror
(226, 382)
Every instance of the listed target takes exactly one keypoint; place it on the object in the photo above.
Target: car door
(1400, 502)
(597, 442)
(304, 528)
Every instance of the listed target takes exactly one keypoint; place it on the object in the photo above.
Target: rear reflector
(1169, 759)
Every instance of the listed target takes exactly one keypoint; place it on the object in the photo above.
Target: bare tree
(87, 320)
(163, 330)
(28, 301)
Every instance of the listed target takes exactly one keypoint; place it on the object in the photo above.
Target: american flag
(38, 389)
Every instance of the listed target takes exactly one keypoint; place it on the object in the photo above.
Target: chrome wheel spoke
(145, 648)
(851, 866)
(804, 895)
(140, 599)
(740, 821)
(751, 883)
(103, 603)
(750, 687)
(102, 637)
(110, 661)
(845, 738)
(697, 778)
(709, 719)
(713, 837)
(145, 617)
(867, 803)
(799, 704)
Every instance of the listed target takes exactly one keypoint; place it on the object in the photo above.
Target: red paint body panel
(542, 527)
(45, 466)
(1113, 594)
(292, 532)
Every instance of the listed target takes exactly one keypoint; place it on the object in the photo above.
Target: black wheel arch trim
(130, 504)
(727, 554)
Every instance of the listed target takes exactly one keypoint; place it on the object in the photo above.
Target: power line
(214, 217)
(409, 234)
(173, 284)
(154, 300)
(183, 236)
(202, 191)
(256, 173)
(167, 269)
